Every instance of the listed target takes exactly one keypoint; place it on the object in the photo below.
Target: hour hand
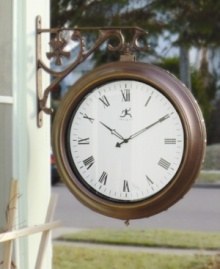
(113, 131)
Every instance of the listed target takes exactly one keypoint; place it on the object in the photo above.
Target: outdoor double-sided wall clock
(128, 139)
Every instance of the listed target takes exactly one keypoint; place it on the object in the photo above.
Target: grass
(66, 257)
(72, 257)
(149, 238)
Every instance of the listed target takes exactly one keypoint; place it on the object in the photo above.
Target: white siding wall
(24, 148)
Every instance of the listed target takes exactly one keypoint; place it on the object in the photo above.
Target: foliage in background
(74, 13)
(192, 23)
(204, 86)
(182, 23)
(195, 22)
(212, 159)
(171, 65)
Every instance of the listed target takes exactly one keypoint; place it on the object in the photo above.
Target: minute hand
(149, 126)
(118, 145)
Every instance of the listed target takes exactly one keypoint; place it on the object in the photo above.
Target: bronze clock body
(89, 179)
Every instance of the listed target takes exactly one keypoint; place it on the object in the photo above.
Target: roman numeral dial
(126, 141)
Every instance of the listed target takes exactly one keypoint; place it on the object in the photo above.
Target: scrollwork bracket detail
(58, 44)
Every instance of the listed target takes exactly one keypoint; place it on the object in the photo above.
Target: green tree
(74, 13)
(171, 65)
(193, 23)
(204, 86)
(196, 23)
(105, 13)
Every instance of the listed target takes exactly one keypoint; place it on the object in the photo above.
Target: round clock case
(129, 140)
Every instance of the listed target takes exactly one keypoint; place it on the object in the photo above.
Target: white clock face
(125, 141)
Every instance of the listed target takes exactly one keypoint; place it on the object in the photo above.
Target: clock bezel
(194, 133)
(72, 162)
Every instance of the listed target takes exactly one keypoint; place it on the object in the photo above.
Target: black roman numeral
(104, 100)
(89, 162)
(83, 141)
(163, 163)
(150, 182)
(148, 100)
(170, 141)
(103, 178)
(88, 118)
(126, 96)
(126, 186)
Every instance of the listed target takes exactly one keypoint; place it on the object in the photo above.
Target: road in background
(199, 210)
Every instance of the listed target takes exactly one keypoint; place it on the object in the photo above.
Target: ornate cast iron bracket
(58, 43)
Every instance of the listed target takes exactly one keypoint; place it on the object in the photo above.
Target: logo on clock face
(126, 114)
